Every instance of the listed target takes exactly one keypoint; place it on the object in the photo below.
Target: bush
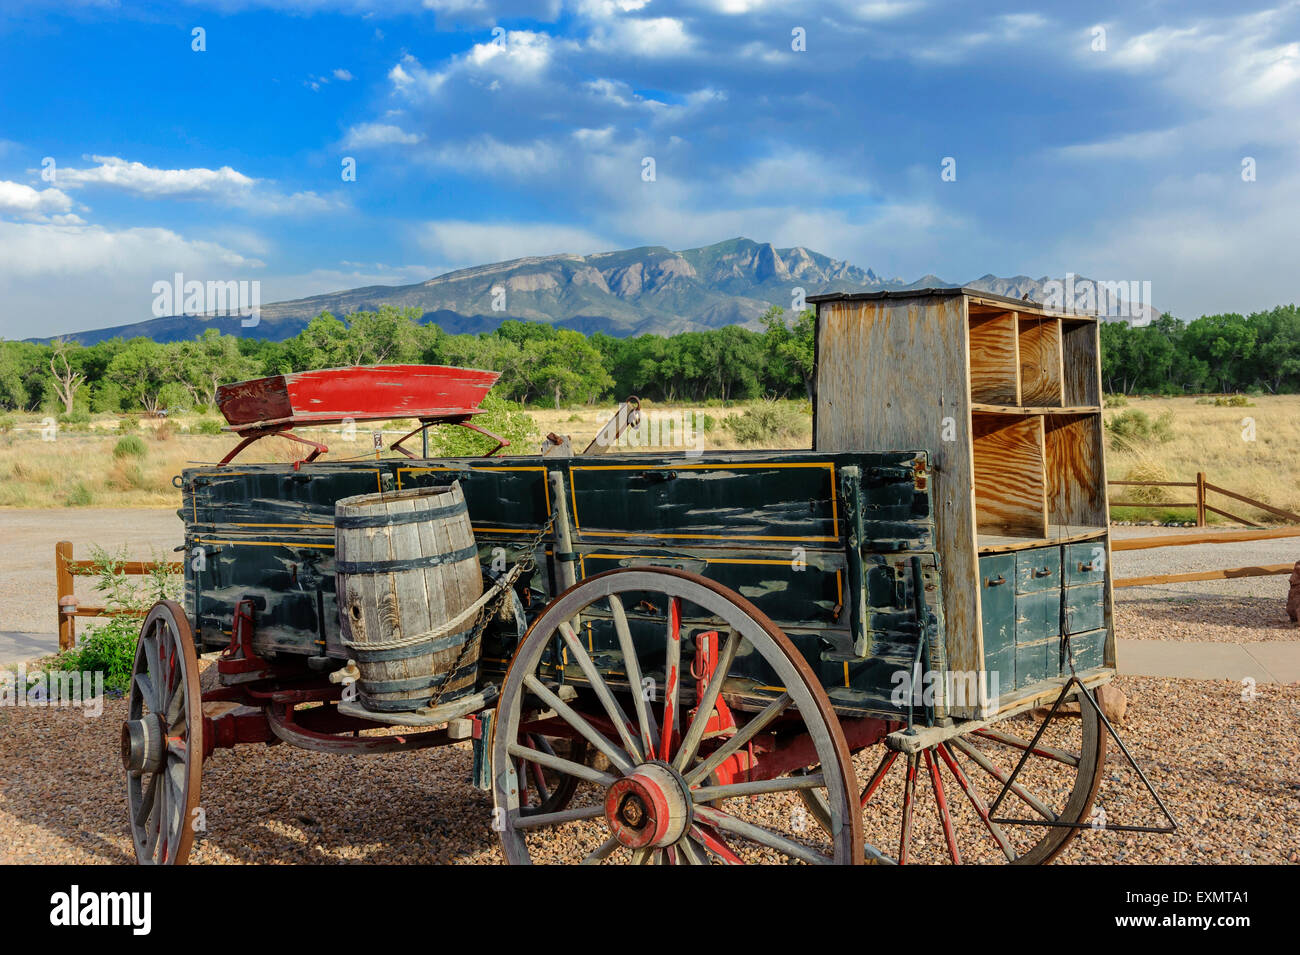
(500, 416)
(6, 424)
(1132, 429)
(766, 423)
(206, 426)
(129, 447)
(1114, 401)
(79, 496)
(78, 416)
(109, 648)
(128, 425)
(1146, 470)
(165, 431)
(1233, 401)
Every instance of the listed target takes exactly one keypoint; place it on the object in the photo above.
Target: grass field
(79, 468)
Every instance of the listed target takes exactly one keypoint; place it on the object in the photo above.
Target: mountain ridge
(648, 289)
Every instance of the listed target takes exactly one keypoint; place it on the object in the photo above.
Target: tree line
(540, 363)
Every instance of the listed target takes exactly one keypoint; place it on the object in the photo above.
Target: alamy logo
(1128, 300)
(82, 689)
(74, 907)
(216, 299)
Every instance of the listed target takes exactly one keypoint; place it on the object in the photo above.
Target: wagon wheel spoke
(976, 802)
(147, 691)
(148, 798)
(692, 852)
(645, 716)
(760, 787)
(909, 794)
(561, 818)
(932, 765)
(561, 765)
(985, 764)
(734, 745)
(877, 777)
(579, 723)
(759, 834)
(704, 709)
(672, 676)
(601, 852)
(714, 843)
(1015, 742)
(613, 709)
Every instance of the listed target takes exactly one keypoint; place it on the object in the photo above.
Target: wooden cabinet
(1006, 398)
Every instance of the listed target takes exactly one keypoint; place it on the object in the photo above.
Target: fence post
(1200, 498)
(65, 585)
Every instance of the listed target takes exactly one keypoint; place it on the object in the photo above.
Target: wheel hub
(143, 744)
(649, 808)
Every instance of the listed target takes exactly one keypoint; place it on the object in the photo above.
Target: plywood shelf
(994, 358)
(1025, 410)
(1041, 371)
(1056, 534)
(1010, 480)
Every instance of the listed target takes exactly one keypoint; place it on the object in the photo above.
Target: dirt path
(28, 601)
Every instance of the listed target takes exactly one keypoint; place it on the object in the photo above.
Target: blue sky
(1108, 142)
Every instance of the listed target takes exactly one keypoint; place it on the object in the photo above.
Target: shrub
(1233, 401)
(1132, 429)
(129, 446)
(766, 423)
(79, 496)
(165, 431)
(206, 426)
(1114, 401)
(109, 648)
(500, 416)
(78, 416)
(1146, 470)
(128, 425)
(6, 424)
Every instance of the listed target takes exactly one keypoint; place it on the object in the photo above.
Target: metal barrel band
(361, 655)
(408, 706)
(410, 563)
(371, 687)
(350, 521)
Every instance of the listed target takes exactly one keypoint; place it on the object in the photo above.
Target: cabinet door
(1038, 569)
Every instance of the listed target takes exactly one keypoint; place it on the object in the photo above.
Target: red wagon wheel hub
(649, 808)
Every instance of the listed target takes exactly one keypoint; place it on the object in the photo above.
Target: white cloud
(475, 243)
(136, 177)
(369, 135)
(19, 200)
(342, 75)
(61, 278)
(223, 184)
(654, 37)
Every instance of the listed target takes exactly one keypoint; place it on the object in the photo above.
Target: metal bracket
(1084, 694)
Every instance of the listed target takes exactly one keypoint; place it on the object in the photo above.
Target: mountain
(630, 292)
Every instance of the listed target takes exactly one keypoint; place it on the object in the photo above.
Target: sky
(1125, 141)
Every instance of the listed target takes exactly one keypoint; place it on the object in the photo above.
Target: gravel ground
(1228, 770)
(28, 601)
(1243, 610)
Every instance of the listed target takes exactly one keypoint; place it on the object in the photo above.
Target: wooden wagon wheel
(162, 738)
(960, 779)
(656, 802)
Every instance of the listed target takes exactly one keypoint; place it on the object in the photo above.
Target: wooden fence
(66, 570)
(1200, 504)
(1211, 537)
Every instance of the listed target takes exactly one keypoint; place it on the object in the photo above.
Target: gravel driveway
(1243, 610)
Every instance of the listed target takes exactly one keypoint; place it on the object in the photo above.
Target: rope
(454, 625)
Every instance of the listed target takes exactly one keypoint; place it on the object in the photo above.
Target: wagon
(823, 656)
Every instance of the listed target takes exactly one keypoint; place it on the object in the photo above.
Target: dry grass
(1211, 439)
(78, 468)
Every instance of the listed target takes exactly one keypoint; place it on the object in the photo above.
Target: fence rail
(67, 569)
(1203, 487)
(1212, 537)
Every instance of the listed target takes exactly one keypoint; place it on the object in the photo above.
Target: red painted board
(367, 392)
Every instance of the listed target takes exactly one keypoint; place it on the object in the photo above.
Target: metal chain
(525, 565)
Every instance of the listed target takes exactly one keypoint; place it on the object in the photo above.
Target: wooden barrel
(405, 565)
